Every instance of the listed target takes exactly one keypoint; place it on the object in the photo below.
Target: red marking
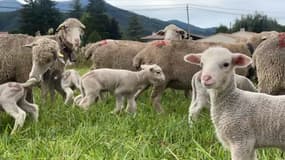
(281, 38)
(160, 43)
(103, 42)
(14, 87)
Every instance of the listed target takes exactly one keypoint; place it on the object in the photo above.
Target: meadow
(67, 133)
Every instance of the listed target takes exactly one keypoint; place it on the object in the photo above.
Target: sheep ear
(193, 58)
(31, 45)
(161, 33)
(240, 60)
(60, 27)
(180, 32)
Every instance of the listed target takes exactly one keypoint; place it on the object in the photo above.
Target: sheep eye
(226, 64)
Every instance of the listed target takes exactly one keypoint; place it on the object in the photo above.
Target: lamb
(244, 121)
(124, 84)
(13, 101)
(269, 59)
(169, 56)
(201, 99)
(172, 32)
(70, 80)
(16, 60)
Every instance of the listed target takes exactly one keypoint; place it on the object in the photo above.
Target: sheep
(16, 60)
(269, 59)
(70, 80)
(168, 55)
(201, 99)
(123, 83)
(48, 66)
(116, 54)
(244, 121)
(172, 32)
(13, 101)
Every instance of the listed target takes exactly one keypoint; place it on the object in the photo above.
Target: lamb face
(155, 74)
(218, 66)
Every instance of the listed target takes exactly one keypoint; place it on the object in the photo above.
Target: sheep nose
(77, 42)
(206, 78)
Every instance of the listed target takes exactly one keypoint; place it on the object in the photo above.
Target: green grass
(67, 133)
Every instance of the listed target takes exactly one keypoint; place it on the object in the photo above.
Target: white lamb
(70, 80)
(13, 101)
(123, 83)
(201, 99)
(244, 121)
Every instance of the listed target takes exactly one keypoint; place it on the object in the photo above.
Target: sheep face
(45, 53)
(154, 73)
(218, 66)
(70, 32)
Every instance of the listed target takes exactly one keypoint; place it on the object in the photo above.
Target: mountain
(122, 16)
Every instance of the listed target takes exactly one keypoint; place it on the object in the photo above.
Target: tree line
(41, 15)
(256, 22)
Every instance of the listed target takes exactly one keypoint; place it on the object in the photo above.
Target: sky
(203, 13)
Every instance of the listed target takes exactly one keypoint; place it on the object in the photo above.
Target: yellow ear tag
(60, 55)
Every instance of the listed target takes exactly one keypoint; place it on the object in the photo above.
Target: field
(67, 133)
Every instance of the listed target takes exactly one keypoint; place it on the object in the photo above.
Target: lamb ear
(193, 58)
(240, 60)
(60, 27)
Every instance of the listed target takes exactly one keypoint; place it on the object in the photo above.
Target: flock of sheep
(217, 73)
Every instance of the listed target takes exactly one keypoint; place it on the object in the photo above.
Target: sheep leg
(87, 101)
(243, 152)
(60, 90)
(29, 95)
(132, 105)
(156, 95)
(119, 104)
(44, 91)
(195, 109)
(69, 95)
(33, 109)
(16, 112)
(140, 91)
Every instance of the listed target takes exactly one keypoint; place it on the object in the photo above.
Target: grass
(66, 133)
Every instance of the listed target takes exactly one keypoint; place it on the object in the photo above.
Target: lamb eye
(226, 64)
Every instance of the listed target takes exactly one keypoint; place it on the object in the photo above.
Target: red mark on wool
(281, 37)
(160, 43)
(103, 42)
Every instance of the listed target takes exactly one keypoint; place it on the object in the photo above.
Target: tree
(96, 19)
(135, 30)
(39, 15)
(114, 29)
(256, 23)
(222, 29)
(77, 10)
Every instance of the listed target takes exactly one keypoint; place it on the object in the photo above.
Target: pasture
(68, 133)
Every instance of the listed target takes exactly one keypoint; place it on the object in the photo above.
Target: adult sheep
(172, 32)
(269, 58)
(169, 56)
(16, 60)
(116, 54)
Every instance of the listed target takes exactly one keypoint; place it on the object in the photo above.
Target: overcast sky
(203, 13)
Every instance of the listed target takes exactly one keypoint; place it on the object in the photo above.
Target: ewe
(243, 120)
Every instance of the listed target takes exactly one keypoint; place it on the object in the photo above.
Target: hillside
(122, 16)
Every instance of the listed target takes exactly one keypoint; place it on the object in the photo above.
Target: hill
(9, 21)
